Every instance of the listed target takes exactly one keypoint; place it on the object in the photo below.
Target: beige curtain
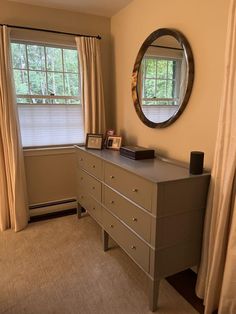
(13, 205)
(91, 86)
(217, 274)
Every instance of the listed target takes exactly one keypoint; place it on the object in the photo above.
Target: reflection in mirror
(162, 78)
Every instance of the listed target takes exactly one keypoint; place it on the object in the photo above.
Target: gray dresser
(153, 209)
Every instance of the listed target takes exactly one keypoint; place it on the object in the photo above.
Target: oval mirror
(162, 77)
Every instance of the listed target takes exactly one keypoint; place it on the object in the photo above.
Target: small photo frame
(94, 141)
(114, 142)
(108, 133)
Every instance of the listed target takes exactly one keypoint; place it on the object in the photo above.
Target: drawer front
(95, 209)
(135, 247)
(90, 185)
(134, 187)
(90, 204)
(133, 216)
(83, 197)
(90, 163)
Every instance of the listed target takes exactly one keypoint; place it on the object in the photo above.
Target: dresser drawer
(90, 185)
(132, 186)
(133, 216)
(135, 247)
(95, 209)
(83, 197)
(90, 163)
(90, 204)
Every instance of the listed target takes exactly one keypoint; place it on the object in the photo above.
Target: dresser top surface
(155, 169)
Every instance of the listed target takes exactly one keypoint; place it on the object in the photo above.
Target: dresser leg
(105, 239)
(153, 294)
(79, 211)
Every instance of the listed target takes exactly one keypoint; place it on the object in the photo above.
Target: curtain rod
(50, 31)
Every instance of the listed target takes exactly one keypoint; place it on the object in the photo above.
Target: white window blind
(47, 83)
(47, 125)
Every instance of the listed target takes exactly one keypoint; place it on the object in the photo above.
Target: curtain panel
(216, 282)
(92, 96)
(13, 197)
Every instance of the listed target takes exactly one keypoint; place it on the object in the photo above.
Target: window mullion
(63, 69)
(45, 64)
(27, 68)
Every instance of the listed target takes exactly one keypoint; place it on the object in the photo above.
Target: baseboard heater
(52, 207)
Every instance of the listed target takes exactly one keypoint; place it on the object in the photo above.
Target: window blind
(47, 125)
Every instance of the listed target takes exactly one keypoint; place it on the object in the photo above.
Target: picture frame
(109, 132)
(114, 142)
(94, 141)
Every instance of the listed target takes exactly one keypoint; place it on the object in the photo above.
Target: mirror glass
(162, 78)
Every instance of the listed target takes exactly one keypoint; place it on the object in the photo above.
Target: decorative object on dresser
(109, 132)
(153, 209)
(137, 152)
(94, 141)
(196, 162)
(114, 142)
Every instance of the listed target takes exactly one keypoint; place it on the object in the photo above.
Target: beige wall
(51, 173)
(204, 24)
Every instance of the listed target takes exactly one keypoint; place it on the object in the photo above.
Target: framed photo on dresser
(114, 142)
(94, 141)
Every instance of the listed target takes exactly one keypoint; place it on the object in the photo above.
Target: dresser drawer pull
(134, 219)
(111, 226)
(112, 202)
(112, 177)
(133, 247)
(134, 190)
(94, 208)
(94, 166)
(81, 159)
(81, 178)
(93, 187)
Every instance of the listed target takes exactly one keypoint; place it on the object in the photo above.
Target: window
(160, 81)
(47, 84)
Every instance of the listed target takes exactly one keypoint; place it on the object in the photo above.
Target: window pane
(73, 101)
(18, 56)
(171, 67)
(21, 82)
(150, 68)
(72, 84)
(70, 60)
(36, 57)
(55, 84)
(37, 83)
(161, 89)
(149, 88)
(162, 69)
(23, 100)
(170, 89)
(54, 59)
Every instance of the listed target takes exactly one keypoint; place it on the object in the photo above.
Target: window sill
(51, 150)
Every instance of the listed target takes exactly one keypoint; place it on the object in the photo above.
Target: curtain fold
(13, 197)
(216, 282)
(91, 86)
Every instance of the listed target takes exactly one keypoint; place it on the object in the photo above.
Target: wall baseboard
(52, 207)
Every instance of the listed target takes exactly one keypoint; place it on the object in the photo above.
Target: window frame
(175, 80)
(49, 97)
(46, 71)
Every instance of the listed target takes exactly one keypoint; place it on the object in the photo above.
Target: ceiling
(97, 7)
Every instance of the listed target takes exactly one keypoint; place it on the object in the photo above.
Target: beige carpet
(58, 266)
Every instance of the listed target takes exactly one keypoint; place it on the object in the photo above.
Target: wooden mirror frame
(190, 75)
